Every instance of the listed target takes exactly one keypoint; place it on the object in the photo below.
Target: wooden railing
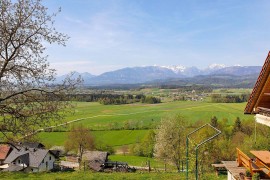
(263, 167)
(244, 160)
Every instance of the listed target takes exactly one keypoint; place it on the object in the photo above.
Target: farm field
(104, 119)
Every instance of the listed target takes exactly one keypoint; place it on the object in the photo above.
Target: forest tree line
(219, 98)
(107, 99)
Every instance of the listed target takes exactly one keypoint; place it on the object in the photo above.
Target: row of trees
(130, 99)
(107, 99)
(218, 98)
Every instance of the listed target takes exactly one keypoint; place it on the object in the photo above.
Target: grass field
(138, 161)
(104, 176)
(101, 119)
(112, 138)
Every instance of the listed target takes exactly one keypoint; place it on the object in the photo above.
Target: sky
(107, 35)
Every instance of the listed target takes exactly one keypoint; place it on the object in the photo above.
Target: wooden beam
(265, 85)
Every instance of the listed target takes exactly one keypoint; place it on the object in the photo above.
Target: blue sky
(107, 35)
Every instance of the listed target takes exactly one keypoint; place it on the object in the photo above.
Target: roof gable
(260, 96)
(34, 156)
(37, 156)
(95, 156)
(14, 155)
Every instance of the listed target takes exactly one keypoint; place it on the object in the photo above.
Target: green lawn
(137, 161)
(111, 138)
(103, 176)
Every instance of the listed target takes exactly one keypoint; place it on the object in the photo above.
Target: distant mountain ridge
(139, 75)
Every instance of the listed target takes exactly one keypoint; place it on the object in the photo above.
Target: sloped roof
(95, 159)
(33, 145)
(4, 150)
(260, 96)
(15, 154)
(95, 155)
(35, 156)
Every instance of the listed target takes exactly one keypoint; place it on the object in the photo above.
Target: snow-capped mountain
(184, 71)
(135, 75)
(216, 66)
(239, 70)
(176, 69)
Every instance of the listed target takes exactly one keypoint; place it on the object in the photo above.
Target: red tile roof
(4, 150)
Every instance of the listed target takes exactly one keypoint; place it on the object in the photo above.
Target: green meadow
(108, 122)
(100, 117)
(112, 138)
(103, 176)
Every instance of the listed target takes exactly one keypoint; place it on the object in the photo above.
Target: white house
(30, 160)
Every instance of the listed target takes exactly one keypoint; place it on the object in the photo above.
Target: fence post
(149, 168)
(182, 166)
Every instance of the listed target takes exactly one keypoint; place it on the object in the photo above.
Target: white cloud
(120, 34)
(82, 66)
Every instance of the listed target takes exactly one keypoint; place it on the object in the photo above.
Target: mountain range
(165, 74)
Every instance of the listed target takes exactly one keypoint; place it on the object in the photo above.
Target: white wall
(42, 166)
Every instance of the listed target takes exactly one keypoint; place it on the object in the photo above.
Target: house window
(19, 161)
(43, 161)
(50, 158)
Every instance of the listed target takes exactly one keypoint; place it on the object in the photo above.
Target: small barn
(95, 159)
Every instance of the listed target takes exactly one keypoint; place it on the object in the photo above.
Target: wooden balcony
(264, 111)
(244, 160)
(260, 164)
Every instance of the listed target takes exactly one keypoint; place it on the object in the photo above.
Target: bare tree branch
(29, 97)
